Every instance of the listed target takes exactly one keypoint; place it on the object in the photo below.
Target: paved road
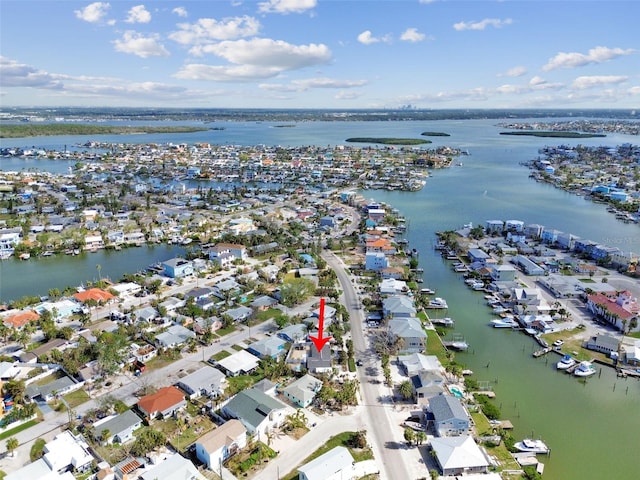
(378, 417)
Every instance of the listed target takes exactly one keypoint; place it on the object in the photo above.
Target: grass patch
(343, 439)
(237, 348)
(250, 459)
(587, 280)
(267, 315)
(18, 429)
(159, 362)
(435, 347)
(76, 398)
(241, 382)
(221, 332)
(50, 378)
(220, 355)
(352, 364)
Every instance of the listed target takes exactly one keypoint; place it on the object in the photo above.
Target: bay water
(592, 427)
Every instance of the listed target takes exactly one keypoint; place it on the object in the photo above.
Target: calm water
(592, 426)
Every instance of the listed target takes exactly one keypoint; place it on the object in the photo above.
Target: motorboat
(585, 369)
(427, 291)
(446, 321)
(565, 362)
(503, 323)
(532, 446)
(437, 303)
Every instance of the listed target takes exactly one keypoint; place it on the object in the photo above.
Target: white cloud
(265, 52)
(412, 35)
(207, 30)
(536, 80)
(16, 74)
(347, 95)
(482, 24)
(139, 45)
(575, 59)
(309, 83)
(180, 11)
(286, 6)
(634, 90)
(138, 14)
(518, 71)
(234, 73)
(582, 83)
(93, 12)
(367, 38)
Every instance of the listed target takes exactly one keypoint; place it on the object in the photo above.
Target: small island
(537, 133)
(50, 129)
(388, 140)
(435, 134)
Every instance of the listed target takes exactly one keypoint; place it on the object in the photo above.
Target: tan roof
(224, 435)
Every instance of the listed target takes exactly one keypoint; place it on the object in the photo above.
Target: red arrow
(319, 341)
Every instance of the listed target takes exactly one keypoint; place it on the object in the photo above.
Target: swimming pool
(456, 391)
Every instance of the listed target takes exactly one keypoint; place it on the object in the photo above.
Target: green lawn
(18, 429)
(241, 382)
(237, 348)
(77, 398)
(220, 355)
(159, 362)
(226, 330)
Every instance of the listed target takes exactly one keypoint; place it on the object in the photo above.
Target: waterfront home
(257, 411)
(376, 261)
(478, 256)
(119, 428)
(177, 268)
(494, 227)
(303, 391)
(630, 351)
(391, 286)
(98, 295)
(93, 242)
(603, 344)
(459, 456)
(398, 306)
(239, 363)
(8, 241)
(410, 334)
(17, 319)
(206, 381)
(528, 266)
(449, 416)
(165, 402)
(427, 384)
(417, 362)
(216, 446)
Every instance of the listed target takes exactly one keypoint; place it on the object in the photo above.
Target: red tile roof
(163, 399)
(19, 320)
(96, 294)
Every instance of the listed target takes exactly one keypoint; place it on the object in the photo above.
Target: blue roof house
(177, 268)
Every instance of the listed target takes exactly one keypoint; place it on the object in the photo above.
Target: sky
(333, 54)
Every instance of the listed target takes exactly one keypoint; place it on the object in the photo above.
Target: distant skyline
(334, 54)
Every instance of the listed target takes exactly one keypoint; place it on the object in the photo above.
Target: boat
(419, 280)
(503, 323)
(446, 321)
(566, 362)
(499, 309)
(437, 303)
(24, 256)
(532, 446)
(427, 291)
(47, 253)
(585, 369)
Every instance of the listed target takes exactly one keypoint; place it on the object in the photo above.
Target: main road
(378, 412)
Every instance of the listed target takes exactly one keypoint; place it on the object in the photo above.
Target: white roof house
(40, 470)
(204, 381)
(175, 467)
(333, 465)
(459, 455)
(67, 450)
(239, 363)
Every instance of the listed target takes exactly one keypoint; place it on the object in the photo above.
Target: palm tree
(406, 389)
(99, 268)
(12, 444)
(409, 435)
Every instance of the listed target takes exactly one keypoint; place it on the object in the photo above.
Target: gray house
(268, 347)
(449, 416)
(410, 332)
(207, 381)
(239, 314)
(398, 306)
(119, 428)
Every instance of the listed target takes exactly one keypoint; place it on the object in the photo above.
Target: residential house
(449, 416)
(35, 355)
(302, 391)
(175, 335)
(97, 295)
(239, 314)
(630, 351)
(295, 333)
(147, 314)
(391, 286)
(207, 381)
(376, 261)
(239, 363)
(319, 361)
(165, 402)
(603, 344)
(263, 302)
(177, 268)
(459, 456)
(175, 467)
(478, 256)
(216, 446)
(619, 309)
(226, 289)
(398, 306)
(258, 412)
(118, 428)
(67, 453)
(503, 273)
(410, 334)
(268, 347)
(18, 319)
(49, 391)
(142, 353)
(337, 464)
(417, 362)
(426, 385)
(93, 242)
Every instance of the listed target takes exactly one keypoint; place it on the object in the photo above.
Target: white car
(558, 343)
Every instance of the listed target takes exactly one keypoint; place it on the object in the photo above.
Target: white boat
(499, 309)
(446, 321)
(585, 369)
(566, 362)
(437, 303)
(503, 323)
(427, 291)
(533, 446)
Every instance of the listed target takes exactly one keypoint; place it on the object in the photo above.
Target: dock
(539, 353)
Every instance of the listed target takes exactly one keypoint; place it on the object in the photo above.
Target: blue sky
(320, 53)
